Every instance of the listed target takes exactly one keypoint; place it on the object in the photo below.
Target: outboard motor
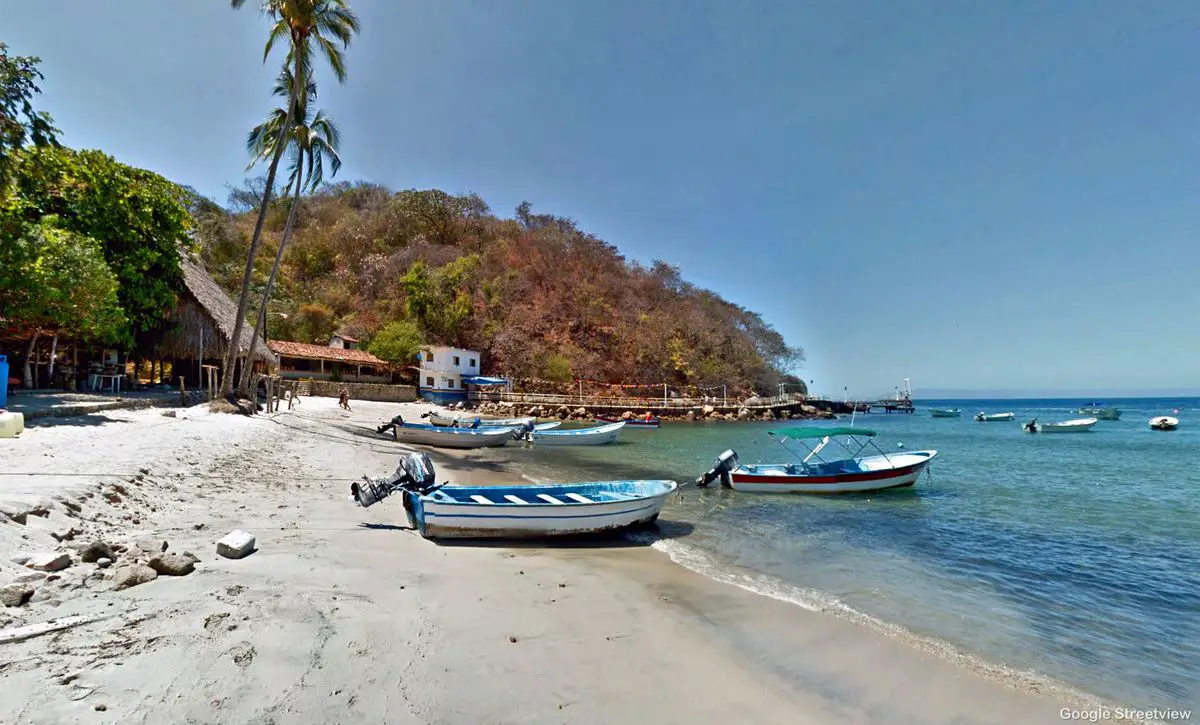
(414, 473)
(524, 432)
(724, 466)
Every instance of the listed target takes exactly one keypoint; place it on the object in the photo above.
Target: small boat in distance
(1079, 425)
(518, 511)
(945, 412)
(993, 417)
(594, 436)
(1164, 422)
(636, 422)
(854, 474)
(1100, 412)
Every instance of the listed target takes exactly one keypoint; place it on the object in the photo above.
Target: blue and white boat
(516, 511)
(452, 437)
(594, 436)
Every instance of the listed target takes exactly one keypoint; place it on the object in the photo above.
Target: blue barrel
(3, 382)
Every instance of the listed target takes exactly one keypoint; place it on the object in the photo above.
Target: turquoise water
(1075, 556)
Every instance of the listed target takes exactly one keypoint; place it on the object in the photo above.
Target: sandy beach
(344, 615)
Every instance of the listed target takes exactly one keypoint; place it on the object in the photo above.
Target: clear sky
(974, 194)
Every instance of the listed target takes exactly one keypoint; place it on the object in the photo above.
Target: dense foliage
(540, 297)
(138, 218)
(20, 124)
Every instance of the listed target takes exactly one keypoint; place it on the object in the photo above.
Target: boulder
(708, 410)
(581, 412)
(16, 594)
(743, 414)
(132, 575)
(627, 415)
(96, 551)
(691, 415)
(49, 561)
(173, 564)
(104, 562)
(235, 545)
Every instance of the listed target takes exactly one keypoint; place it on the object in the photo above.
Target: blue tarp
(482, 380)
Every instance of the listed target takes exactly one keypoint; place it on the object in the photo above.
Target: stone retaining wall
(364, 391)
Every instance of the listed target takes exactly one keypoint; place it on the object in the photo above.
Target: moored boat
(516, 511)
(945, 412)
(451, 437)
(642, 422)
(1164, 422)
(853, 474)
(594, 436)
(1100, 412)
(994, 417)
(1079, 425)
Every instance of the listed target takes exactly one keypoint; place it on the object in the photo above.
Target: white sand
(343, 615)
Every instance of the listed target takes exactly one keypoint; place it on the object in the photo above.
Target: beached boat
(813, 474)
(516, 511)
(994, 417)
(945, 412)
(1164, 422)
(594, 436)
(1079, 425)
(1100, 412)
(641, 422)
(452, 437)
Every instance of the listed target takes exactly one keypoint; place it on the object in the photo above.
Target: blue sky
(976, 195)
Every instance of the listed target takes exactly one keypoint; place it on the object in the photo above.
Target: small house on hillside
(441, 372)
(343, 341)
(329, 362)
(202, 326)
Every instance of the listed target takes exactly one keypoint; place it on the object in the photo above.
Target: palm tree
(314, 139)
(309, 26)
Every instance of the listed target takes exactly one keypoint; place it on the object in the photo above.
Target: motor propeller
(722, 469)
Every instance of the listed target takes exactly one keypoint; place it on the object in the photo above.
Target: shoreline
(624, 609)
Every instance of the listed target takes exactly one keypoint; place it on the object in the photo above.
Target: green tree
(314, 323)
(56, 281)
(397, 342)
(19, 78)
(138, 217)
(557, 368)
(313, 141)
(308, 26)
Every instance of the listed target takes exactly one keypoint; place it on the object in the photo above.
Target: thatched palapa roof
(204, 320)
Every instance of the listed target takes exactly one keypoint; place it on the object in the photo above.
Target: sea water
(1074, 557)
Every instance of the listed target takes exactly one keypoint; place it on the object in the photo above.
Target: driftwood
(28, 631)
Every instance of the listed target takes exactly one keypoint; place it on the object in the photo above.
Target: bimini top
(820, 432)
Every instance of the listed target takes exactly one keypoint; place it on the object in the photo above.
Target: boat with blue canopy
(855, 473)
(448, 510)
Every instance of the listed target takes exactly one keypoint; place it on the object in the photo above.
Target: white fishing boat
(1079, 425)
(814, 474)
(994, 417)
(593, 436)
(514, 511)
(945, 412)
(1164, 422)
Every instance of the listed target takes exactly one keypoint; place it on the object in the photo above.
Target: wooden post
(182, 393)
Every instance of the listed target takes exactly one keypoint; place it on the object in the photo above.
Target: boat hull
(875, 473)
(938, 413)
(441, 517)
(995, 417)
(453, 437)
(632, 423)
(1164, 422)
(1070, 426)
(597, 436)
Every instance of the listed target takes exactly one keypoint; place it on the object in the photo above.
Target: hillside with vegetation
(544, 300)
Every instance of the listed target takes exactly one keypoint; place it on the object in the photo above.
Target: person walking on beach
(344, 399)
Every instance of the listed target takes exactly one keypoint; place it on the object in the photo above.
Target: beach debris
(132, 575)
(174, 564)
(66, 535)
(95, 551)
(236, 544)
(99, 707)
(16, 594)
(17, 634)
(49, 561)
(512, 639)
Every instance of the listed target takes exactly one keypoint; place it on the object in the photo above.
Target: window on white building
(429, 382)
(428, 357)
(472, 362)
(449, 382)
(456, 362)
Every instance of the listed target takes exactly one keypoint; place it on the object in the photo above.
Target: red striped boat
(639, 422)
(813, 474)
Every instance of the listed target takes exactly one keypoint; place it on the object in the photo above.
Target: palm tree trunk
(261, 321)
(227, 372)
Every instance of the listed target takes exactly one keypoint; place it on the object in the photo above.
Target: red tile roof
(303, 350)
